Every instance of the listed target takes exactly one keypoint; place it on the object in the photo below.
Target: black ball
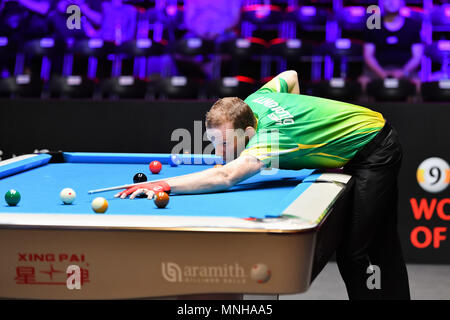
(139, 177)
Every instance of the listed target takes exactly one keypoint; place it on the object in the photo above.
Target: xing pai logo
(52, 269)
(433, 175)
(223, 274)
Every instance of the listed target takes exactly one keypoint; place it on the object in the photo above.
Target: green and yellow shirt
(298, 131)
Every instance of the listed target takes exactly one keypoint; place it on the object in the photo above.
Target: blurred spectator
(90, 19)
(118, 22)
(395, 49)
(24, 19)
(208, 20)
(211, 20)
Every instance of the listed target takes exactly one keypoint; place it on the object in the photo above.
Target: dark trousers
(371, 236)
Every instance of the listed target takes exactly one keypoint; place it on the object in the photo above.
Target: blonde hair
(230, 109)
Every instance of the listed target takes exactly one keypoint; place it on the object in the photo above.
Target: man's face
(392, 6)
(228, 142)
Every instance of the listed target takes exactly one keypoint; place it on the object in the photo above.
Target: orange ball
(161, 199)
(218, 166)
(99, 205)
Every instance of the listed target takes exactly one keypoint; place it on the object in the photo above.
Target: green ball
(12, 197)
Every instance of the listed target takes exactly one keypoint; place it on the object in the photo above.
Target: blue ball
(174, 160)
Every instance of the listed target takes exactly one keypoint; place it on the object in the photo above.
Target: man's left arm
(217, 179)
(206, 181)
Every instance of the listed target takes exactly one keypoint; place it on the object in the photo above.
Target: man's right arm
(371, 61)
(40, 7)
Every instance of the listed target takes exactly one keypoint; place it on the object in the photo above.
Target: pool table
(270, 234)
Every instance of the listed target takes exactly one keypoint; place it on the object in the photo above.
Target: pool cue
(125, 186)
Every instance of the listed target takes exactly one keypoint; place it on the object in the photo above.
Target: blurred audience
(91, 19)
(29, 19)
(118, 21)
(211, 21)
(395, 49)
(24, 19)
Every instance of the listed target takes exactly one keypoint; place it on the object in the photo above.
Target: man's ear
(250, 132)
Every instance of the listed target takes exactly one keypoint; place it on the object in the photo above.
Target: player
(276, 126)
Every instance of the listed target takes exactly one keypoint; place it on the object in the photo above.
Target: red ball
(161, 199)
(155, 166)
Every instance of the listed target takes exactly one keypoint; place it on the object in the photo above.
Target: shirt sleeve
(272, 87)
(268, 146)
(260, 152)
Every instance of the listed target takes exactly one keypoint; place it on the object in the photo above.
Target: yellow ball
(99, 205)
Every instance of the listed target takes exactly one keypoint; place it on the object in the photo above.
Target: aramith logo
(226, 273)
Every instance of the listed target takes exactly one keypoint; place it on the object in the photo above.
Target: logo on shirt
(279, 115)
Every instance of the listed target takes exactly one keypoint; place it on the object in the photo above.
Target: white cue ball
(67, 195)
(99, 205)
